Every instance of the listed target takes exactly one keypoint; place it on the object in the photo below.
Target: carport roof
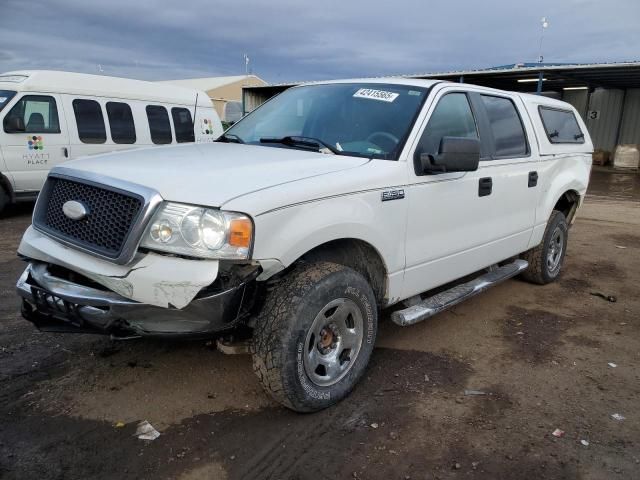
(606, 75)
(510, 77)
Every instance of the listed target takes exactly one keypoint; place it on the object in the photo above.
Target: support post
(539, 88)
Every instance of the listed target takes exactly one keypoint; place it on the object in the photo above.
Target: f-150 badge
(392, 195)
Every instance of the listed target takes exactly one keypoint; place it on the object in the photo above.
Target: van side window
(159, 124)
(183, 125)
(508, 133)
(89, 121)
(451, 118)
(123, 130)
(561, 125)
(38, 112)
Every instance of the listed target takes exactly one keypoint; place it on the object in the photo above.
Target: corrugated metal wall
(253, 99)
(604, 129)
(630, 130)
(577, 98)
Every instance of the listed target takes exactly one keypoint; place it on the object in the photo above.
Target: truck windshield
(368, 120)
(5, 96)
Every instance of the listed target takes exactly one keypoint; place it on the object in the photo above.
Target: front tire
(314, 336)
(4, 199)
(546, 260)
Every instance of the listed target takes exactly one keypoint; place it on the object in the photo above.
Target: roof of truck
(416, 82)
(51, 81)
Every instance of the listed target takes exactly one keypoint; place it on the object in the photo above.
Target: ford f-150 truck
(327, 204)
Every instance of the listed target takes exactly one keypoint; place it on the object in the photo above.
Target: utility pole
(544, 24)
(246, 65)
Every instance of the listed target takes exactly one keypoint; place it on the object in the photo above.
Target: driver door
(446, 227)
(30, 153)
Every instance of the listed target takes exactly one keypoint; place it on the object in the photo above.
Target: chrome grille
(111, 215)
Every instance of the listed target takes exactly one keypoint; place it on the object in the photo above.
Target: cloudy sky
(303, 40)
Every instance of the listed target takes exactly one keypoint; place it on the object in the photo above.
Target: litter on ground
(145, 431)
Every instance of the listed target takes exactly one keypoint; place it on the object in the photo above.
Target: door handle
(65, 152)
(485, 186)
(533, 179)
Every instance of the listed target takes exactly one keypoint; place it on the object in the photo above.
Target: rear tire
(314, 336)
(546, 260)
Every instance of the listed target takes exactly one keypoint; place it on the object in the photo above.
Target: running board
(443, 300)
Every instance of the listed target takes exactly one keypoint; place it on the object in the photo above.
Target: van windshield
(5, 96)
(369, 120)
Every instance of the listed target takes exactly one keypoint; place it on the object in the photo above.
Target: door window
(123, 130)
(451, 118)
(159, 124)
(89, 121)
(505, 124)
(38, 112)
(561, 125)
(183, 125)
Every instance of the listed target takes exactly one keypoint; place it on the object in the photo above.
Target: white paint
(27, 169)
(440, 231)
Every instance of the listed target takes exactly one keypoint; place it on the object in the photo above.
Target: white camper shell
(49, 117)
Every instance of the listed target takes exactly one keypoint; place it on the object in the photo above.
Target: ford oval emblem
(75, 210)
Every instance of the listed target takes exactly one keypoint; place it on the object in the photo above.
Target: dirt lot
(540, 354)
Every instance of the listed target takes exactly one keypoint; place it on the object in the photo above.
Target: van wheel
(4, 199)
(314, 336)
(546, 260)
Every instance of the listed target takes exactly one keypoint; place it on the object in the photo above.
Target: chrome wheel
(556, 247)
(333, 342)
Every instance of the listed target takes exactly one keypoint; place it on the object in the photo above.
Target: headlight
(199, 232)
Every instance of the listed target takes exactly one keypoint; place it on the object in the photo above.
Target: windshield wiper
(230, 138)
(306, 142)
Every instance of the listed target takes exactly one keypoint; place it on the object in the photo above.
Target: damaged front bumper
(57, 304)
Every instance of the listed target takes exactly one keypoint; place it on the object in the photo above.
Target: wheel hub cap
(333, 342)
(556, 247)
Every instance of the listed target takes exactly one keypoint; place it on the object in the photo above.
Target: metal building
(607, 95)
(225, 92)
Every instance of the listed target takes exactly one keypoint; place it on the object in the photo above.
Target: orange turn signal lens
(240, 232)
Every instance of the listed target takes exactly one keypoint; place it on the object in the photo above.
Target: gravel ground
(541, 356)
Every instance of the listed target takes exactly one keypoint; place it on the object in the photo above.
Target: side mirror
(456, 154)
(14, 124)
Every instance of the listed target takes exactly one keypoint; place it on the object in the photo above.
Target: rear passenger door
(511, 164)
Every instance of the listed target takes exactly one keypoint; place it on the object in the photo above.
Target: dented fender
(151, 278)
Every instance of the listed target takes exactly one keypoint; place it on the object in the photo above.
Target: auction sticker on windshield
(380, 95)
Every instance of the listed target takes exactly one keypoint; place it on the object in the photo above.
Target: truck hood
(214, 173)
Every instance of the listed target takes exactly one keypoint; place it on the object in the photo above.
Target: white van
(50, 117)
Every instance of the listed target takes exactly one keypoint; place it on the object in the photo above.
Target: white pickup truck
(325, 205)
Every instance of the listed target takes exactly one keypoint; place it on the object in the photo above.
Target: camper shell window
(560, 126)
